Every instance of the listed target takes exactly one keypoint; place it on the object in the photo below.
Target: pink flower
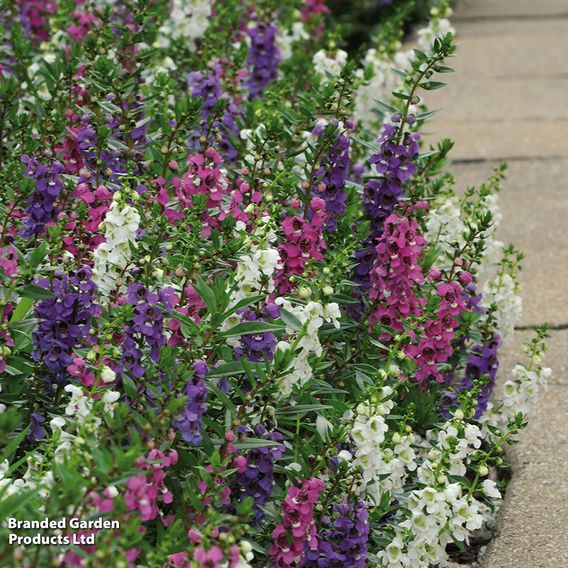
(9, 260)
(298, 522)
(210, 558)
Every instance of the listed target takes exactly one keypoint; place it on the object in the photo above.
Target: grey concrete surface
(510, 9)
(531, 528)
(507, 100)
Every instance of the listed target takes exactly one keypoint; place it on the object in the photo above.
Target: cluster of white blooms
(34, 477)
(112, 257)
(384, 465)
(253, 138)
(311, 317)
(437, 28)
(456, 440)
(165, 66)
(444, 227)
(286, 39)
(80, 408)
(326, 65)
(519, 394)
(188, 20)
(422, 538)
(421, 534)
(256, 267)
(502, 295)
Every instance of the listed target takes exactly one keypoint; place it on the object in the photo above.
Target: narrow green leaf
(34, 292)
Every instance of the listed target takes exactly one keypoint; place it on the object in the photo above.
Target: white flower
(112, 257)
(188, 19)
(501, 294)
(107, 374)
(489, 488)
(325, 65)
(109, 398)
(286, 40)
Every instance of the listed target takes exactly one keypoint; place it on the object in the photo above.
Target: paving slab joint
(551, 327)
(510, 17)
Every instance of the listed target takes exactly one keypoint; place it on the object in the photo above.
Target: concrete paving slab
(534, 203)
(501, 99)
(529, 54)
(531, 526)
(501, 140)
(466, 28)
(468, 9)
(530, 175)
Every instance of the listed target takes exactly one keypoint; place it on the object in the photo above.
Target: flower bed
(246, 320)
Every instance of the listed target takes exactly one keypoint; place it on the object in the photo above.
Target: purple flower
(41, 209)
(332, 176)
(257, 480)
(482, 361)
(148, 320)
(344, 543)
(65, 320)
(36, 431)
(131, 358)
(263, 57)
(207, 85)
(189, 422)
(255, 346)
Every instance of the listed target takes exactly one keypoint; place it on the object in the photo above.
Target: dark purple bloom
(263, 57)
(332, 176)
(131, 358)
(255, 346)
(65, 320)
(36, 431)
(148, 320)
(41, 209)
(207, 85)
(344, 543)
(257, 480)
(189, 422)
(482, 361)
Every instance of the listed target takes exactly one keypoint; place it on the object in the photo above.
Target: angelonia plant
(244, 312)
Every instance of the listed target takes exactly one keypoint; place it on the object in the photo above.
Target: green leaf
(37, 257)
(207, 294)
(226, 370)
(432, 85)
(22, 309)
(251, 443)
(129, 387)
(290, 320)
(248, 327)
(374, 148)
(426, 115)
(13, 445)
(443, 69)
(34, 292)
(243, 304)
(300, 409)
(15, 502)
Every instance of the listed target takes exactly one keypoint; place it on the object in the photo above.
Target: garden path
(508, 101)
